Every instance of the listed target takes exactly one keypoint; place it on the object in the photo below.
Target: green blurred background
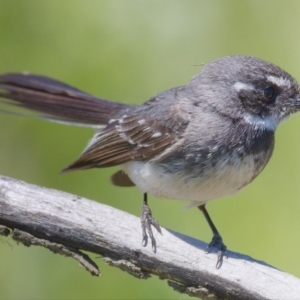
(129, 51)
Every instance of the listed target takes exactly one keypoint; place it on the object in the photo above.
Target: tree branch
(65, 223)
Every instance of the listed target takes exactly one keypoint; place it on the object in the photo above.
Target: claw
(147, 221)
(217, 242)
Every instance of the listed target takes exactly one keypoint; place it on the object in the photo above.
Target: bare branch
(65, 223)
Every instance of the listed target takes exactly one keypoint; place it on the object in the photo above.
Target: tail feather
(57, 100)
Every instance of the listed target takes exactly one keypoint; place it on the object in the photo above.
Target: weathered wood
(65, 223)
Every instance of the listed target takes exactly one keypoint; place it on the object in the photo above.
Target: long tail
(56, 100)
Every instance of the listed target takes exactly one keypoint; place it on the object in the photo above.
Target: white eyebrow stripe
(242, 86)
(279, 81)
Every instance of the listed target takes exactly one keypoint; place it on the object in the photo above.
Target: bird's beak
(295, 102)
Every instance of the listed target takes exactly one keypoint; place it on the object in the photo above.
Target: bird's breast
(199, 177)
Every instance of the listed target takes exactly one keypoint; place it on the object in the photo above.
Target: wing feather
(140, 134)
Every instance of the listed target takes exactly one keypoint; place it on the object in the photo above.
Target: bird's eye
(269, 92)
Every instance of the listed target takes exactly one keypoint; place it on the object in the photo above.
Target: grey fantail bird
(197, 142)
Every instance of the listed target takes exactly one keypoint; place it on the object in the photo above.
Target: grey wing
(143, 133)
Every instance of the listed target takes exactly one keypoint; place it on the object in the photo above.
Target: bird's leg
(147, 221)
(217, 240)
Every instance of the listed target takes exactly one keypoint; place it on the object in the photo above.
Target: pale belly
(225, 178)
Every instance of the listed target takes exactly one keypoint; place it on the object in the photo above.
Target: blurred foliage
(129, 51)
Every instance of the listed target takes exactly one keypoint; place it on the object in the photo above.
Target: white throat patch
(269, 122)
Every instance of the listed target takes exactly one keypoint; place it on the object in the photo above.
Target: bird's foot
(217, 242)
(147, 221)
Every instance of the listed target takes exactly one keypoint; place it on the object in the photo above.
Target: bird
(197, 142)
